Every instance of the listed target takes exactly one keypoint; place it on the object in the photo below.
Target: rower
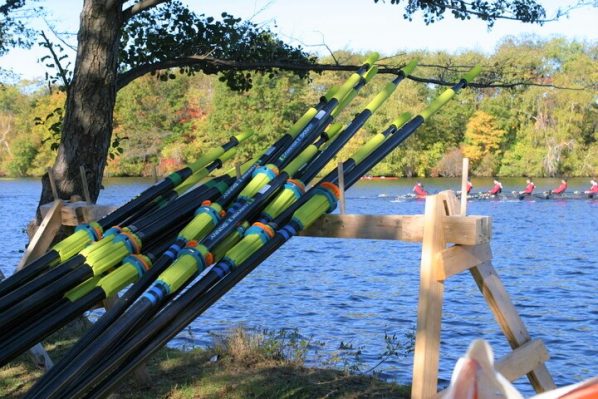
(594, 188)
(497, 187)
(530, 187)
(561, 188)
(469, 187)
(419, 190)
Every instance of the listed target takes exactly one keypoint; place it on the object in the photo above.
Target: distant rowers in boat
(530, 187)
(419, 190)
(561, 189)
(497, 187)
(594, 188)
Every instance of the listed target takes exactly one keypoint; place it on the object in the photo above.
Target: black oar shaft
(46, 296)
(56, 319)
(29, 272)
(40, 282)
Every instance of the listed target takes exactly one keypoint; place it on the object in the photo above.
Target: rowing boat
(506, 196)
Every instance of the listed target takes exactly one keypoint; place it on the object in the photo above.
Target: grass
(248, 365)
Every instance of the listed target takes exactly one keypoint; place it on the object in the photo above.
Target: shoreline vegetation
(532, 129)
(241, 364)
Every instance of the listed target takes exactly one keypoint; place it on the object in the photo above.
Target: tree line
(547, 127)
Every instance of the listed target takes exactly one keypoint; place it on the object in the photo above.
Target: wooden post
(85, 186)
(341, 186)
(509, 320)
(155, 173)
(52, 184)
(44, 235)
(464, 180)
(429, 310)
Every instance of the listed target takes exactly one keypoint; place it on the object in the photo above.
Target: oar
(45, 279)
(99, 258)
(353, 127)
(93, 231)
(171, 280)
(78, 300)
(320, 201)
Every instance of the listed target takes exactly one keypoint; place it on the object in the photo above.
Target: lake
(355, 291)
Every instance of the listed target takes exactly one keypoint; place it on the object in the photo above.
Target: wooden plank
(508, 319)
(519, 362)
(85, 185)
(429, 311)
(471, 230)
(75, 213)
(376, 227)
(43, 237)
(96, 212)
(458, 258)
(408, 228)
(523, 360)
(52, 183)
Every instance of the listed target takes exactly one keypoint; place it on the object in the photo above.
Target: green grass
(248, 366)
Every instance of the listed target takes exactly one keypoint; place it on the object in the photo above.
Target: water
(354, 291)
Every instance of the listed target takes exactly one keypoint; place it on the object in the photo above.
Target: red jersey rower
(530, 187)
(469, 186)
(594, 188)
(497, 188)
(419, 190)
(561, 188)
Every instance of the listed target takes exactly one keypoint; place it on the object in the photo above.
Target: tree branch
(222, 65)
(139, 7)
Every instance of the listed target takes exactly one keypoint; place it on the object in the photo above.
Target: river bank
(239, 367)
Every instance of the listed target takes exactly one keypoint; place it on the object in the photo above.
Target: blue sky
(359, 25)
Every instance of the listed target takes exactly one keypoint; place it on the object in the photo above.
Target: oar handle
(407, 69)
(471, 75)
(241, 137)
(356, 77)
(371, 60)
(450, 93)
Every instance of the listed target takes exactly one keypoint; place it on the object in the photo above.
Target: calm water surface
(355, 291)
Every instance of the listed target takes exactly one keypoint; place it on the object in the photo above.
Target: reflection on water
(356, 290)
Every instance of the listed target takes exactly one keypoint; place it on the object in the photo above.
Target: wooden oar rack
(444, 222)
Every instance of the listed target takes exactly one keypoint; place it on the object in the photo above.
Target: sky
(357, 25)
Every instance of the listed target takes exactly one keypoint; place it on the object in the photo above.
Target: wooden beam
(471, 230)
(458, 258)
(382, 227)
(523, 360)
(429, 312)
(76, 213)
(408, 228)
(44, 235)
(519, 362)
(509, 320)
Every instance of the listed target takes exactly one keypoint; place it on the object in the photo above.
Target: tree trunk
(87, 125)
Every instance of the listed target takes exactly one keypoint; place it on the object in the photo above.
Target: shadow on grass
(190, 374)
